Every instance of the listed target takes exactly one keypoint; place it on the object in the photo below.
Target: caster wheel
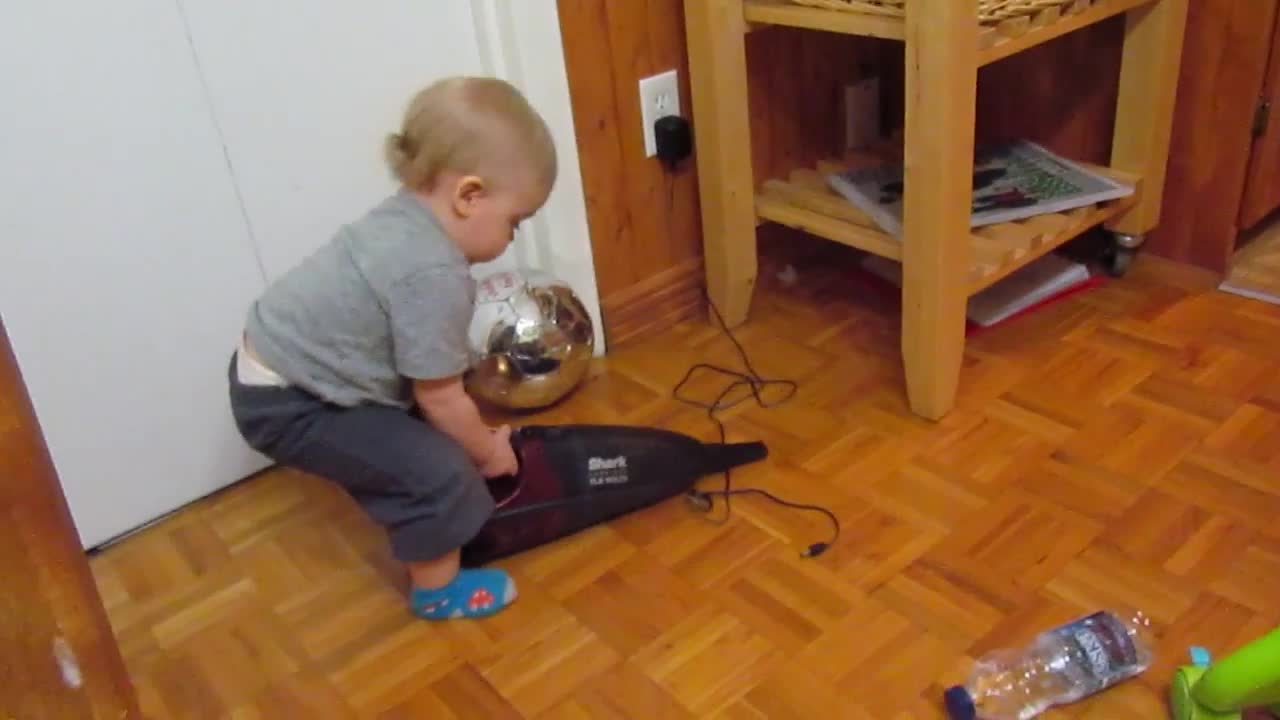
(1127, 241)
(1118, 261)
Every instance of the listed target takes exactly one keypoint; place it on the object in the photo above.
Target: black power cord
(674, 143)
(702, 499)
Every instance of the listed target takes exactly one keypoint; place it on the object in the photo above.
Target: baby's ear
(468, 191)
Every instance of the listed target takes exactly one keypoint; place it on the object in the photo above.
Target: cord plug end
(815, 550)
(699, 501)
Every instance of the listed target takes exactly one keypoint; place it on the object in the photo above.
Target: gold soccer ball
(531, 340)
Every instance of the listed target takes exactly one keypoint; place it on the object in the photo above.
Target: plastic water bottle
(1058, 667)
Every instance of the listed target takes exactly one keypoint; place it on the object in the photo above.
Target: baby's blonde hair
(469, 125)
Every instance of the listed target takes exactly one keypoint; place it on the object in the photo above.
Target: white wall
(521, 42)
(125, 262)
(161, 160)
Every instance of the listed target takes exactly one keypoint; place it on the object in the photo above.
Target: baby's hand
(502, 457)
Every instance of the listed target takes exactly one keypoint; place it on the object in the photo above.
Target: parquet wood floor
(1119, 448)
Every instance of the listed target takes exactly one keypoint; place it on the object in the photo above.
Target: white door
(305, 92)
(125, 261)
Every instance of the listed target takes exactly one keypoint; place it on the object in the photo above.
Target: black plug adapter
(673, 140)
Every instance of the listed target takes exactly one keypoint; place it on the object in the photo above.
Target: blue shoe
(474, 593)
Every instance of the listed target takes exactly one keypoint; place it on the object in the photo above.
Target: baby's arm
(430, 311)
(447, 406)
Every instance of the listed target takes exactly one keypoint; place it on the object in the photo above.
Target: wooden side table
(944, 260)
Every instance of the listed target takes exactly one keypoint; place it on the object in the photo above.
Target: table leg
(716, 36)
(941, 96)
(1144, 111)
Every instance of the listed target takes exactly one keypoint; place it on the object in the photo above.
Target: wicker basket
(989, 11)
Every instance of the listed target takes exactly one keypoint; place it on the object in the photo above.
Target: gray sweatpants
(413, 480)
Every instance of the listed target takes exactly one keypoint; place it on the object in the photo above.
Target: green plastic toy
(1247, 679)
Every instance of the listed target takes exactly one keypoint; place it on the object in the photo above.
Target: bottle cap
(959, 704)
(1201, 656)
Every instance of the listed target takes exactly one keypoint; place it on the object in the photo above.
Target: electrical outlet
(659, 97)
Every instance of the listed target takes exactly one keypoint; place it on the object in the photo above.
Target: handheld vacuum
(572, 477)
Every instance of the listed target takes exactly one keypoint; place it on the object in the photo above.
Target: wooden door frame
(63, 654)
(1252, 196)
(1209, 153)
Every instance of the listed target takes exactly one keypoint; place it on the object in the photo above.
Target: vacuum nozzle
(718, 457)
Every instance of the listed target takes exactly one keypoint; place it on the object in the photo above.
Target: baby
(350, 366)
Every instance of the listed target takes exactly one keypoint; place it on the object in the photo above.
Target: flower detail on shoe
(481, 599)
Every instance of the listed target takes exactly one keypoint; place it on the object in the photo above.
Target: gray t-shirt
(388, 299)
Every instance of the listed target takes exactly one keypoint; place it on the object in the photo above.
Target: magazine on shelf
(1029, 286)
(1011, 181)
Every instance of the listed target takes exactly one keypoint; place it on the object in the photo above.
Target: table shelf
(804, 201)
(995, 42)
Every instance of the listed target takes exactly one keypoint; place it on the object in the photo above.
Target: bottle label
(1108, 652)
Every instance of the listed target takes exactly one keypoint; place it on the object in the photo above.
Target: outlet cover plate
(659, 97)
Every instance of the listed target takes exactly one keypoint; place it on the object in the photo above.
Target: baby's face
(490, 225)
